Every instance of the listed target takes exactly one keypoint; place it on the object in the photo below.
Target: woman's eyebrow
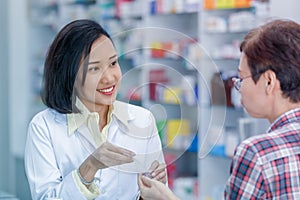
(97, 62)
(112, 56)
(94, 62)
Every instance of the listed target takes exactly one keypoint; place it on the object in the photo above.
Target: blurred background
(177, 57)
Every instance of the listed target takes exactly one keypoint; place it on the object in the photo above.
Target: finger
(161, 168)
(118, 158)
(162, 176)
(146, 181)
(144, 189)
(154, 165)
(119, 150)
(109, 158)
(140, 182)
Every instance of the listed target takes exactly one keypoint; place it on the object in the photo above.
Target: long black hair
(69, 48)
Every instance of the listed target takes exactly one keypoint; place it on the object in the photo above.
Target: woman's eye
(114, 63)
(93, 68)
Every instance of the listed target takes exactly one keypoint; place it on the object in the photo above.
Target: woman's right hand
(108, 155)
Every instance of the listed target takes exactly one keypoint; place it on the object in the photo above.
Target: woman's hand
(108, 155)
(153, 189)
(158, 172)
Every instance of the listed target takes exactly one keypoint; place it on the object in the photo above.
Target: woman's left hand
(158, 172)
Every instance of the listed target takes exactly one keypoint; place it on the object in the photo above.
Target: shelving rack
(223, 26)
(136, 31)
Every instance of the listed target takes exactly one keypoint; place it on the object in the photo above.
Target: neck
(102, 110)
(282, 107)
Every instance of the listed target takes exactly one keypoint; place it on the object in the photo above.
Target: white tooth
(107, 90)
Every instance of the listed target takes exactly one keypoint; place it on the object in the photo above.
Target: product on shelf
(221, 87)
(225, 4)
(178, 133)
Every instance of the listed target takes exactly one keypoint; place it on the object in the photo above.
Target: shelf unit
(222, 30)
(40, 22)
(165, 67)
(147, 24)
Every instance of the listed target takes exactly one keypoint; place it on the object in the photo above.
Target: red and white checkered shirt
(267, 166)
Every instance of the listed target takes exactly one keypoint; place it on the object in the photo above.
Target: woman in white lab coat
(86, 144)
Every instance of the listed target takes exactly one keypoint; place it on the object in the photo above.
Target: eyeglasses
(237, 82)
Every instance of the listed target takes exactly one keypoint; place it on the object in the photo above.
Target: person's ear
(270, 81)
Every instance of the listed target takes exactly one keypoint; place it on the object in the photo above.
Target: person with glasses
(265, 166)
(86, 144)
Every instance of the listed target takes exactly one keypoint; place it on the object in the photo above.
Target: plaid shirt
(268, 166)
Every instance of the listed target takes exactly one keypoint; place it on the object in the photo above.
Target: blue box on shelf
(194, 145)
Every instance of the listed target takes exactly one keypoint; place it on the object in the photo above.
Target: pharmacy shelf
(222, 32)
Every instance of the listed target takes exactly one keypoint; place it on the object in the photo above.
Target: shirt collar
(118, 109)
(286, 118)
(122, 112)
(75, 120)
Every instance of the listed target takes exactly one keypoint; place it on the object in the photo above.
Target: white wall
(285, 9)
(4, 130)
(18, 84)
(19, 75)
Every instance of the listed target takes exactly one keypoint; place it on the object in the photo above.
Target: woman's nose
(107, 76)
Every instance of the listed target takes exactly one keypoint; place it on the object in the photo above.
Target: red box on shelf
(156, 77)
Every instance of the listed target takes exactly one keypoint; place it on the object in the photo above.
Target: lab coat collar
(118, 109)
(76, 120)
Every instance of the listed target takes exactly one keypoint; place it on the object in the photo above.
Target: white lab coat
(51, 154)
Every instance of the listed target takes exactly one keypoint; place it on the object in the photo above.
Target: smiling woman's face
(103, 75)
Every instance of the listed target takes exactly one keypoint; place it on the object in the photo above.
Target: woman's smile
(107, 91)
